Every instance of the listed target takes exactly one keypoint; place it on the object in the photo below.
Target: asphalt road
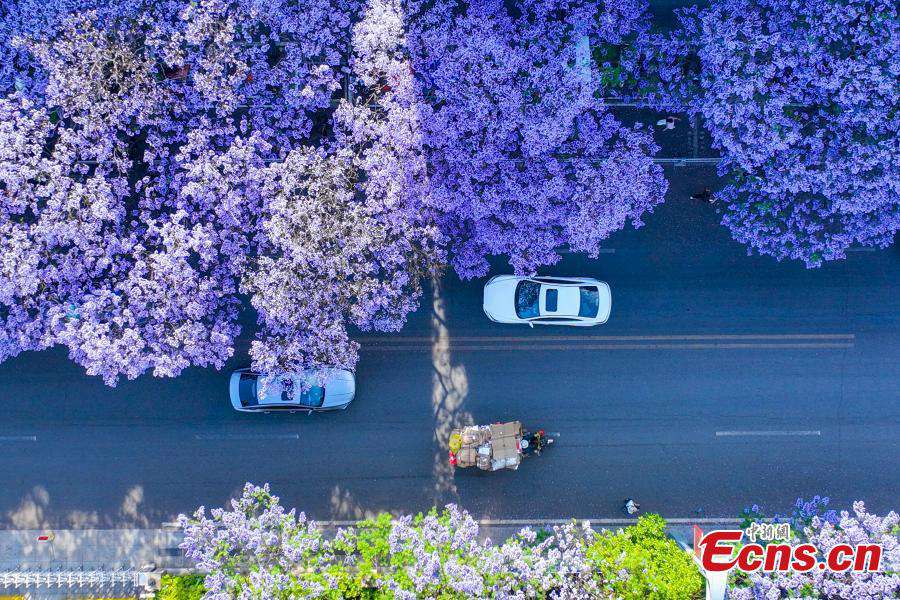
(720, 380)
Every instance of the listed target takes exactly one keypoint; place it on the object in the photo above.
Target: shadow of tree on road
(450, 386)
(345, 506)
(81, 540)
(34, 508)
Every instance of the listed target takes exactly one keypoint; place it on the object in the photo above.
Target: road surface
(720, 380)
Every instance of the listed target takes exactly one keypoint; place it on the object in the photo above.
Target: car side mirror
(530, 324)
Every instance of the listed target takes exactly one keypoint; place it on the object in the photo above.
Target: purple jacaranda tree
(342, 239)
(100, 82)
(826, 529)
(257, 549)
(189, 120)
(329, 256)
(121, 238)
(60, 226)
(168, 308)
(24, 21)
(124, 290)
(236, 69)
(127, 289)
(67, 230)
(523, 157)
(801, 97)
(313, 238)
(269, 67)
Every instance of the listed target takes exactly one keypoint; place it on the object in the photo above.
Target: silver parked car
(576, 301)
(252, 392)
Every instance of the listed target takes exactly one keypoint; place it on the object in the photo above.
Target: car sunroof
(551, 300)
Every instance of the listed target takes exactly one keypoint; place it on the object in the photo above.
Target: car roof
(274, 388)
(567, 300)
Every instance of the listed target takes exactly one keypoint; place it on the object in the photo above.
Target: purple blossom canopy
(802, 99)
(825, 529)
(437, 555)
(330, 255)
(523, 157)
(120, 238)
(816, 124)
(441, 554)
(159, 156)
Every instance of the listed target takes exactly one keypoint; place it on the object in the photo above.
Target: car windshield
(527, 294)
(247, 390)
(590, 301)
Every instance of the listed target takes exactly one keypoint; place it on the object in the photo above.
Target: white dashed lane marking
(802, 432)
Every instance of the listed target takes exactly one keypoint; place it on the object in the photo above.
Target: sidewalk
(90, 563)
(88, 549)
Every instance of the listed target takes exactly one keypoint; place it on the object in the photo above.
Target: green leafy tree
(642, 563)
(181, 587)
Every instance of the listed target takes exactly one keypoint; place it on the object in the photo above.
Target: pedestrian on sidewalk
(631, 507)
(704, 196)
(668, 122)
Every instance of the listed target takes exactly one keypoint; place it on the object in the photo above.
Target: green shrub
(180, 587)
(655, 567)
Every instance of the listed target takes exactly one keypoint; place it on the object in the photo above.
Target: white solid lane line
(247, 436)
(541, 347)
(748, 337)
(543, 343)
(805, 432)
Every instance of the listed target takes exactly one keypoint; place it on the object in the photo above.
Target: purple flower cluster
(160, 157)
(826, 531)
(257, 549)
(23, 22)
(523, 157)
(257, 533)
(801, 97)
(131, 137)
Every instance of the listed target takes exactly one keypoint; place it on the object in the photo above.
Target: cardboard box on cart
(505, 439)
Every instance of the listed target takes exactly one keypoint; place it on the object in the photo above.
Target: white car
(252, 392)
(578, 301)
